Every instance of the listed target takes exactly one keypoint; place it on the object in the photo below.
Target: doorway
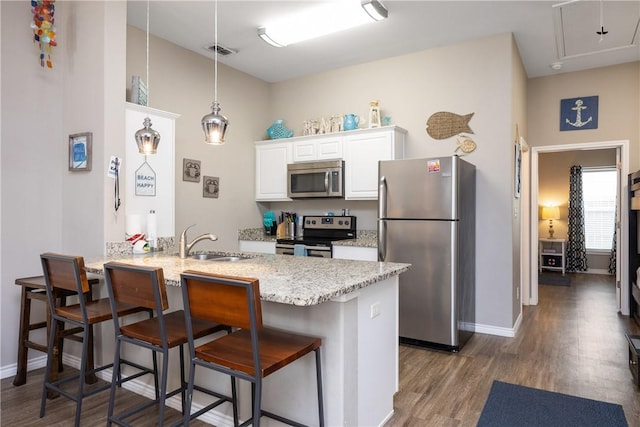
(622, 280)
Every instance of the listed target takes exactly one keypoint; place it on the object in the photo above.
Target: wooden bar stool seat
(34, 288)
(67, 273)
(251, 352)
(145, 287)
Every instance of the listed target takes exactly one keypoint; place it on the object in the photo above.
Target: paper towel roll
(152, 228)
(133, 225)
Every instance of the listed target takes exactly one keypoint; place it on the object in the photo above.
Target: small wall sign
(579, 113)
(191, 170)
(145, 181)
(210, 186)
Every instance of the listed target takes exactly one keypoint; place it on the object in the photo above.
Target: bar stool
(251, 352)
(145, 287)
(67, 273)
(34, 288)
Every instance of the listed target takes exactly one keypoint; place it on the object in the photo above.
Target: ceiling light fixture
(375, 9)
(602, 32)
(147, 138)
(319, 21)
(215, 124)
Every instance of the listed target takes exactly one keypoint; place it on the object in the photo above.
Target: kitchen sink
(216, 257)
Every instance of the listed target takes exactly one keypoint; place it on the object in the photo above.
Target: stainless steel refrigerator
(426, 217)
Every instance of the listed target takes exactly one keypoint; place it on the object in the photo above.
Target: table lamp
(550, 213)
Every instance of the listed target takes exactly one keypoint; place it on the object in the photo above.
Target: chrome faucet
(185, 247)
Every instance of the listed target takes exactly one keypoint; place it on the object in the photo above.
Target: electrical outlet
(375, 310)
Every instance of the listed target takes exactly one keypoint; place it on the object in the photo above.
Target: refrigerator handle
(382, 239)
(382, 213)
(382, 197)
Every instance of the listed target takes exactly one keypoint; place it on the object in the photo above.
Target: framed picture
(80, 152)
(579, 113)
(191, 170)
(210, 186)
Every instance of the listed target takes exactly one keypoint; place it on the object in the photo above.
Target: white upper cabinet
(317, 148)
(362, 151)
(272, 158)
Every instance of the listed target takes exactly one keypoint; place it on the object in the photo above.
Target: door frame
(623, 237)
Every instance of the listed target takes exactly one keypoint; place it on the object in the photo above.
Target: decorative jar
(278, 130)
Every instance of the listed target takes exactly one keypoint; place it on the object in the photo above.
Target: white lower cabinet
(257, 246)
(355, 253)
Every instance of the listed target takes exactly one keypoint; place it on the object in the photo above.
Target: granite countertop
(366, 238)
(301, 281)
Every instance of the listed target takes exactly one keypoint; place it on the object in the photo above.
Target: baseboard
(32, 364)
(495, 330)
(596, 271)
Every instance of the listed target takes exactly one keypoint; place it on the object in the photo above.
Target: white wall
(46, 207)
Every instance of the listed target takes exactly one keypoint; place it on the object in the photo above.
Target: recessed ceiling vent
(223, 51)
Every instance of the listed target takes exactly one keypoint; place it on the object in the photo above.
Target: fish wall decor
(443, 125)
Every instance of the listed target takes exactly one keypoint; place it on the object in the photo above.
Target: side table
(552, 254)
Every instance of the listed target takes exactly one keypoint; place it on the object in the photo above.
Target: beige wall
(44, 206)
(618, 111)
(181, 82)
(477, 76)
(519, 241)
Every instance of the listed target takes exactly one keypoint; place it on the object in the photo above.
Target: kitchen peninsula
(351, 305)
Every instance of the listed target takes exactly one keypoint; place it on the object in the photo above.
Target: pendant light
(147, 138)
(215, 124)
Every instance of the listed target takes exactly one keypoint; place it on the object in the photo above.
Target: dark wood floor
(572, 342)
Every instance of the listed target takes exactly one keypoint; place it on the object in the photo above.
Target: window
(599, 188)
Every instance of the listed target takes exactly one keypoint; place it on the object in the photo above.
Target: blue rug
(515, 405)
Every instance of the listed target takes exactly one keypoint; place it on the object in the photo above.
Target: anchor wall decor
(579, 113)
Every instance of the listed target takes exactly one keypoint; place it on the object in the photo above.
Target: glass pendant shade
(214, 126)
(147, 138)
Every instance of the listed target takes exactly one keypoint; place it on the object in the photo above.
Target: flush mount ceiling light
(375, 9)
(215, 124)
(147, 138)
(321, 20)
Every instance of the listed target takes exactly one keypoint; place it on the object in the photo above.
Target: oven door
(312, 251)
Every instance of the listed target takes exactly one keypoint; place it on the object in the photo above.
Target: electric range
(318, 231)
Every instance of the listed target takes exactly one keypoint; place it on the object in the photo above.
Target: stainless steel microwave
(315, 180)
